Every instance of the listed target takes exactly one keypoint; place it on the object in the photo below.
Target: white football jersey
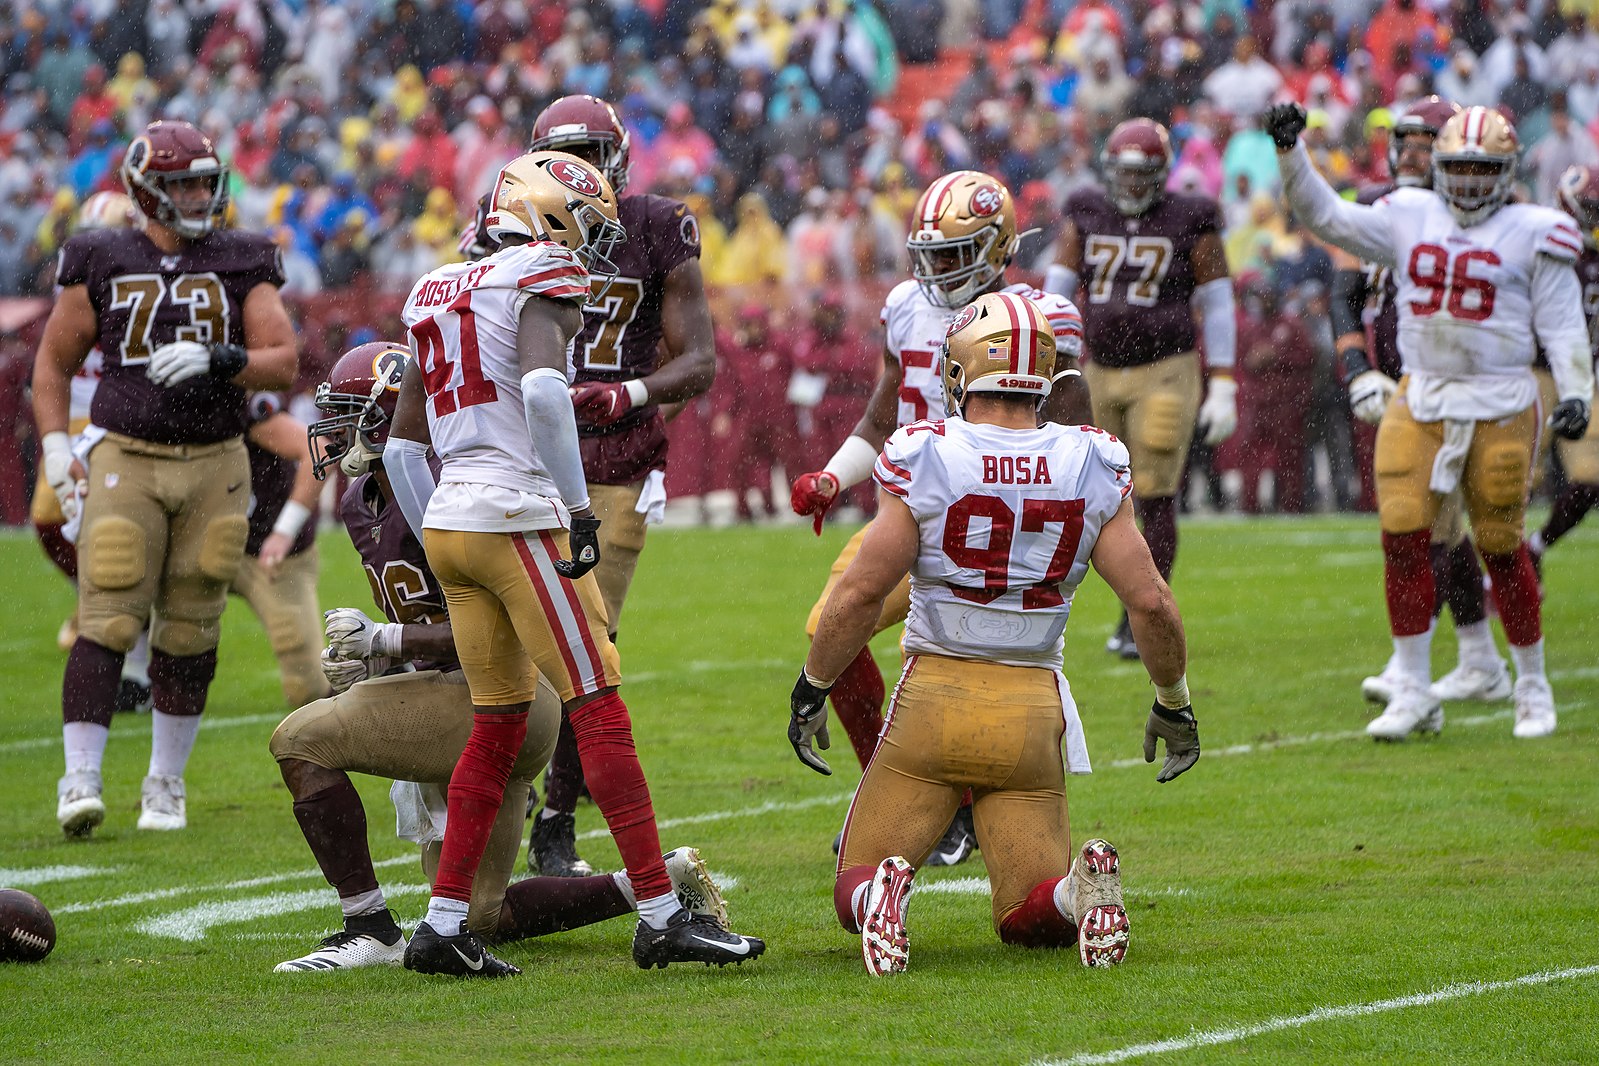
(1009, 519)
(462, 320)
(84, 383)
(914, 329)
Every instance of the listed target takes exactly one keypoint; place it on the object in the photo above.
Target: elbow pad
(1219, 324)
(552, 425)
(1348, 304)
(406, 462)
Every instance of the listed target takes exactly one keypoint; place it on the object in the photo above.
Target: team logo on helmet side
(576, 176)
(388, 367)
(987, 200)
(962, 320)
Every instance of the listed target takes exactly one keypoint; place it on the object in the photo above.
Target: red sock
(616, 781)
(1038, 923)
(1515, 587)
(476, 789)
(1407, 576)
(537, 906)
(844, 890)
(858, 701)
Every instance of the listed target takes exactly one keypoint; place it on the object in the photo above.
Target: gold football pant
(955, 724)
(895, 609)
(621, 540)
(1152, 408)
(292, 617)
(413, 727)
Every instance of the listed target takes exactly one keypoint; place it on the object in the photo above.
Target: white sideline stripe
(704, 666)
(44, 875)
(192, 923)
(748, 812)
(226, 886)
(1212, 1037)
(978, 886)
(205, 723)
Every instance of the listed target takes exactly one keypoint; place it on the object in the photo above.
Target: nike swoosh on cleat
(742, 949)
(470, 963)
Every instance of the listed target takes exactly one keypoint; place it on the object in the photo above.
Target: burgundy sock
(334, 824)
(1438, 559)
(89, 686)
(1576, 501)
(1463, 590)
(476, 788)
(858, 701)
(844, 887)
(1515, 585)
(564, 779)
(179, 684)
(1038, 923)
(1159, 517)
(616, 781)
(539, 906)
(1407, 578)
(62, 552)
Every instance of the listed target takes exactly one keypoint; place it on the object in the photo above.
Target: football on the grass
(27, 932)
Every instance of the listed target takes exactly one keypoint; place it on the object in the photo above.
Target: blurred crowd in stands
(800, 131)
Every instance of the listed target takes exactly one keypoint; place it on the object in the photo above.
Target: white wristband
(56, 443)
(853, 462)
(291, 520)
(1174, 696)
(386, 639)
(638, 393)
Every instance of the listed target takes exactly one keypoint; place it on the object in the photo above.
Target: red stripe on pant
(531, 566)
(477, 787)
(616, 781)
(581, 619)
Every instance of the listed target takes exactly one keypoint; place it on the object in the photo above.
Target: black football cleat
(455, 956)
(691, 938)
(956, 846)
(552, 848)
(132, 697)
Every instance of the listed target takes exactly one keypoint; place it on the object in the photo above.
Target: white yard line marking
(205, 723)
(44, 875)
(225, 886)
(1213, 1037)
(192, 923)
(746, 812)
(704, 666)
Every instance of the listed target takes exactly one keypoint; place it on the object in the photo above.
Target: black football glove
(1284, 123)
(807, 722)
(1180, 732)
(585, 538)
(1570, 419)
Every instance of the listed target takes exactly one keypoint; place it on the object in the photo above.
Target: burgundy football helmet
(1135, 161)
(1578, 195)
(1426, 116)
(168, 153)
(588, 128)
(359, 396)
(475, 242)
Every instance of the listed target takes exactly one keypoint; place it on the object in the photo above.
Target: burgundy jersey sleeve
(271, 481)
(674, 233)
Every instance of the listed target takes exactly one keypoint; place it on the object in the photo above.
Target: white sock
(171, 741)
(136, 664)
(1476, 644)
(624, 885)
(85, 745)
(1414, 656)
(447, 917)
(546, 813)
(1535, 542)
(365, 903)
(658, 912)
(857, 902)
(1066, 897)
(1528, 659)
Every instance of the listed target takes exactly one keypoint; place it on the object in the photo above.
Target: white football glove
(1369, 394)
(1218, 415)
(57, 448)
(177, 362)
(352, 635)
(342, 673)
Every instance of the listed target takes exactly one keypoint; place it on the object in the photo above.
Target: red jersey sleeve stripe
(553, 274)
(894, 467)
(890, 487)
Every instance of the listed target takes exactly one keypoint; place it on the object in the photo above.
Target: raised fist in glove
(1180, 732)
(1283, 123)
(351, 635)
(813, 494)
(1369, 394)
(807, 723)
(178, 361)
(600, 403)
(1218, 415)
(1570, 419)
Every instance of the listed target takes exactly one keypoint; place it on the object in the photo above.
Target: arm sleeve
(552, 424)
(1348, 305)
(406, 462)
(1219, 322)
(1362, 231)
(1558, 322)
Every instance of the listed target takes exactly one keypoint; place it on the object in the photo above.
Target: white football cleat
(1487, 682)
(885, 944)
(1535, 707)
(1379, 688)
(693, 885)
(79, 806)
(346, 950)
(1413, 709)
(161, 800)
(1096, 894)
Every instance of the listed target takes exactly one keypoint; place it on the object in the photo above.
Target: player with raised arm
(646, 342)
(963, 236)
(1150, 263)
(188, 318)
(996, 518)
(488, 391)
(1477, 276)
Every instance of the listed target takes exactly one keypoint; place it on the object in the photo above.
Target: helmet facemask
(953, 272)
(1134, 188)
(353, 437)
(1474, 185)
(186, 225)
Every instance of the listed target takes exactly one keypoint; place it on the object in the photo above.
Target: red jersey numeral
(438, 371)
(914, 360)
(1449, 282)
(994, 559)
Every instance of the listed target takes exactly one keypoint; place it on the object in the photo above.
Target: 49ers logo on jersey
(987, 200)
(967, 315)
(576, 176)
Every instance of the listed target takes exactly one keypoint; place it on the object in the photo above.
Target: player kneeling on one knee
(996, 519)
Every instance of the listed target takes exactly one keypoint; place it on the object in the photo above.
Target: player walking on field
(1478, 276)
(187, 317)
(488, 392)
(996, 519)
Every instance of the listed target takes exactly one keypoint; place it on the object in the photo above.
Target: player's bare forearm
(68, 338)
(1210, 259)
(274, 355)
(688, 368)
(1069, 402)
(1121, 556)
(881, 418)
(434, 641)
(851, 612)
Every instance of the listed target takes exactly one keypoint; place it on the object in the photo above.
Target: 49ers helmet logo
(987, 200)
(962, 320)
(575, 176)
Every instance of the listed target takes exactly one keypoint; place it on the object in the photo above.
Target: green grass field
(1298, 867)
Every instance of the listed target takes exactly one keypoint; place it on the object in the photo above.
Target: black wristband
(585, 525)
(227, 360)
(1352, 362)
(1176, 716)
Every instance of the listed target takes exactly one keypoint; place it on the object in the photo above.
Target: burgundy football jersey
(395, 564)
(622, 334)
(271, 481)
(1380, 294)
(1138, 274)
(144, 298)
(1588, 274)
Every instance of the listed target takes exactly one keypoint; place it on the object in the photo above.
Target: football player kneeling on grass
(996, 518)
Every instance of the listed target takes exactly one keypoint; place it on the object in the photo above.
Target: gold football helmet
(105, 210)
(552, 196)
(1001, 342)
(1474, 163)
(963, 235)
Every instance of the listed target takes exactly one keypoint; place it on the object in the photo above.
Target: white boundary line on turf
(1213, 1037)
(226, 886)
(44, 875)
(192, 923)
(205, 723)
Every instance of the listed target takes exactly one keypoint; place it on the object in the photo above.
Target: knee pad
(180, 637)
(1144, 485)
(119, 632)
(1163, 428)
(1499, 479)
(284, 740)
(1497, 535)
(114, 549)
(222, 549)
(1401, 489)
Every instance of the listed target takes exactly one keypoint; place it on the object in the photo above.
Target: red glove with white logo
(813, 494)
(600, 403)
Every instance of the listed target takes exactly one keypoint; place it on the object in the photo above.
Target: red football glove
(813, 494)
(600, 403)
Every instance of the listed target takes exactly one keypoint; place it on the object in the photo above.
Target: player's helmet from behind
(587, 127)
(552, 196)
(1474, 163)
(1135, 161)
(1001, 342)
(104, 210)
(1426, 117)
(159, 159)
(963, 234)
(1578, 195)
(359, 397)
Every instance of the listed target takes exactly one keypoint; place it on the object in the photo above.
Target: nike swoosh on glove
(814, 494)
(601, 403)
(1369, 394)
